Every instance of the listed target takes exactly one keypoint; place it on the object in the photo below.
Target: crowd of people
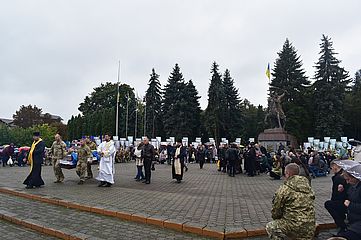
(253, 159)
(293, 210)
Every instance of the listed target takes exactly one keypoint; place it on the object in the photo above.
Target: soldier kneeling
(293, 210)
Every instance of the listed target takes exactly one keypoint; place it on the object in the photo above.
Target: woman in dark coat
(35, 158)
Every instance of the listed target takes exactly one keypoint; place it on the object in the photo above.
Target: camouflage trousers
(81, 169)
(57, 170)
(276, 230)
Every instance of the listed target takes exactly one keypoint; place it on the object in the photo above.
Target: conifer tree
(215, 114)
(192, 111)
(153, 99)
(233, 114)
(172, 104)
(329, 92)
(352, 111)
(289, 78)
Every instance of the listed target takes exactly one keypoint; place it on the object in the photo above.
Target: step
(79, 224)
(11, 231)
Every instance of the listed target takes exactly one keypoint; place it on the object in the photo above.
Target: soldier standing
(83, 154)
(57, 152)
(93, 147)
(293, 210)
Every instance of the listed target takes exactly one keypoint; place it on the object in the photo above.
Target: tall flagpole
(117, 113)
(145, 116)
(127, 116)
(136, 117)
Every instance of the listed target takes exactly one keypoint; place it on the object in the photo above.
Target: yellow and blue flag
(268, 72)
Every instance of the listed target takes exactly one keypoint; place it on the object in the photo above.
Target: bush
(24, 136)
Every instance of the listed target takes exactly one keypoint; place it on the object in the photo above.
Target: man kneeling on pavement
(293, 210)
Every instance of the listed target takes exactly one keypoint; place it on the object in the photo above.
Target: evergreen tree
(353, 109)
(215, 114)
(329, 92)
(289, 78)
(173, 105)
(254, 120)
(233, 114)
(192, 111)
(153, 98)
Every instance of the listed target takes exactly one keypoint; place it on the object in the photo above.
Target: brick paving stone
(10, 231)
(71, 221)
(206, 196)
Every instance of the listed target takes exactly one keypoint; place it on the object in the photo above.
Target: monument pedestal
(271, 138)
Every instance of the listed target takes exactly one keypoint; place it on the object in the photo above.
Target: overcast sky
(53, 53)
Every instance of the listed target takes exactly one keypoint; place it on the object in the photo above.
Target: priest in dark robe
(178, 162)
(35, 158)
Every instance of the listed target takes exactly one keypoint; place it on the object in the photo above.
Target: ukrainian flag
(268, 72)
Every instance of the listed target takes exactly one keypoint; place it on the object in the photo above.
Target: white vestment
(357, 153)
(106, 165)
(177, 163)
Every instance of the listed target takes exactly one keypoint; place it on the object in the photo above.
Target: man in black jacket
(251, 157)
(148, 157)
(336, 206)
(232, 158)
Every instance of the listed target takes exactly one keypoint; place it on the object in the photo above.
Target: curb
(37, 226)
(164, 223)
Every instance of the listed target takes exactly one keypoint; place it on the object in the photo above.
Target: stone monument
(276, 118)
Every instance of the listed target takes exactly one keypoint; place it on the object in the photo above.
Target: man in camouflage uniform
(92, 146)
(293, 210)
(57, 152)
(83, 154)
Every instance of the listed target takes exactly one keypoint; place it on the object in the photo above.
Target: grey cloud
(52, 53)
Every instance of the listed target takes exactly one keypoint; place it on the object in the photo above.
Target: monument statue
(275, 115)
(276, 135)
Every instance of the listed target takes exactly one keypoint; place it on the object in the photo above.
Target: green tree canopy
(98, 112)
(28, 116)
(215, 113)
(172, 104)
(153, 98)
(352, 111)
(233, 115)
(329, 87)
(289, 78)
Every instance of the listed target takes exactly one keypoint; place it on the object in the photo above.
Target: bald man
(293, 210)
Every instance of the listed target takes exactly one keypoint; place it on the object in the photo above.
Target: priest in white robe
(106, 165)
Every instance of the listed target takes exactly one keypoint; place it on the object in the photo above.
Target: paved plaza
(206, 199)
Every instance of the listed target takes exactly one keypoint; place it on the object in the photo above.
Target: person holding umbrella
(353, 204)
(335, 206)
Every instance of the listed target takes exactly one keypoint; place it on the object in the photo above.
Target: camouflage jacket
(58, 150)
(84, 153)
(92, 146)
(293, 203)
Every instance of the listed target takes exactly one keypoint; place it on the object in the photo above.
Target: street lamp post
(136, 118)
(145, 116)
(117, 108)
(127, 116)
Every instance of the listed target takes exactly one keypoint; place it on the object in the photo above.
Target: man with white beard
(106, 165)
